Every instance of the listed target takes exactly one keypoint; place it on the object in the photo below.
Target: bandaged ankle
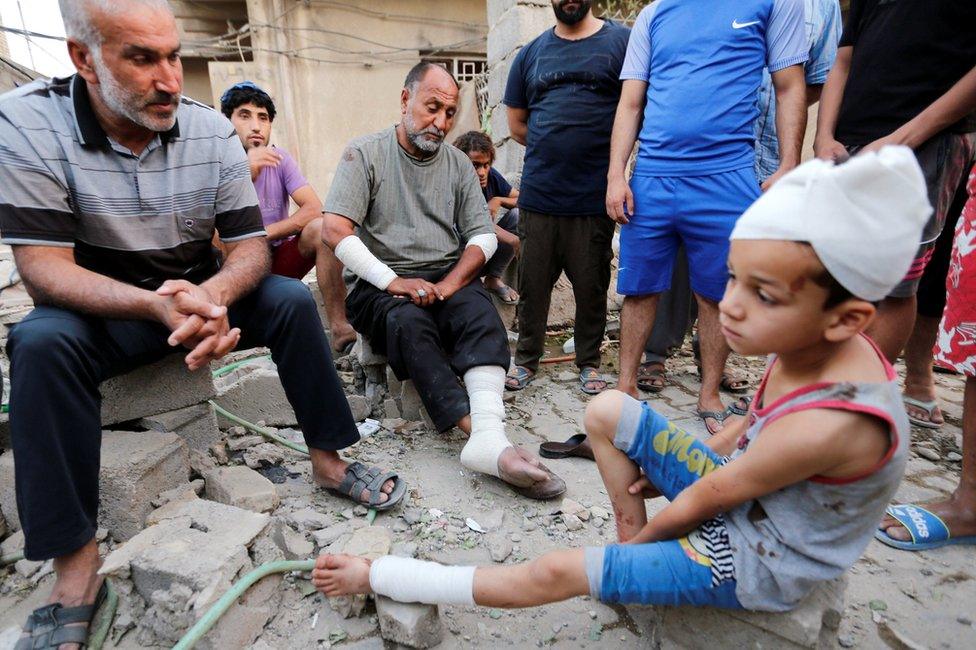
(414, 581)
(352, 252)
(485, 386)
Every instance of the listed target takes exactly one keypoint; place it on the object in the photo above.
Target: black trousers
(582, 247)
(433, 345)
(59, 357)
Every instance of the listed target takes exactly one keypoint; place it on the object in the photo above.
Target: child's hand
(645, 488)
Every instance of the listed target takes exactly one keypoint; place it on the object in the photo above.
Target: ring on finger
(421, 293)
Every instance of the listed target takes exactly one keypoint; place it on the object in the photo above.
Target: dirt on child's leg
(617, 470)
(556, 576)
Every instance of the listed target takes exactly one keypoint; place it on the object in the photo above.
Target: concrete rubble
(254, 393)
(370, 542)
(241, 487)
(410, 624)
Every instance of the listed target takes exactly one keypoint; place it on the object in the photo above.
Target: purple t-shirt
(274, 185)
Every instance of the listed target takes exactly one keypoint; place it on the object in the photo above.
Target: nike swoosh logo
(737, 25)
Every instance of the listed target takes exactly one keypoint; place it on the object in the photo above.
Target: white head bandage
(864, 218)
(485, 386)
(352, 252)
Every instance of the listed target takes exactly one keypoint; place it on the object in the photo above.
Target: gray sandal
(359, 477)
(54, 624)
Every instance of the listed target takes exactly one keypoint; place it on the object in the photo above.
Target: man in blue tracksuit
(690, 79)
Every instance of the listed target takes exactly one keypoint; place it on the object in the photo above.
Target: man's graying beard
(130, 105)
(417, 136)
(571, 18)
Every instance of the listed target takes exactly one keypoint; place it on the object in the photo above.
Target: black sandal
(52, 625)
(358, 478)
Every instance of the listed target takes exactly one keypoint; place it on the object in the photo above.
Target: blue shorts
(693, 570)
(697, 210)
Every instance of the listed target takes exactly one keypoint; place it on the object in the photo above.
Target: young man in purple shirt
(296, 239)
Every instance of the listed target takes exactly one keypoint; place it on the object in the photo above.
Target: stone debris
(196, 424)
(241, 487)
(323, 538)
(928, 454)
(414, 625)
(159, 387)
(266, 454)
(255, 395)
(308, 519)
(292, 543)
(200, 462)
(572, 522)
(184, 492)
(3, 525)
(27, 568)
(599, 513)
(370, 542)
(239, 444)
(954, 457)
(13, 544)
(136, 467)
(570, 507)
(499, 548)
(174, 571)
(360, 407)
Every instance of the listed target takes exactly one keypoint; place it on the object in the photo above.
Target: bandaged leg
(414, 581)
(485, 386)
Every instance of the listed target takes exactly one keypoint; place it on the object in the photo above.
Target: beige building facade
(334, 68)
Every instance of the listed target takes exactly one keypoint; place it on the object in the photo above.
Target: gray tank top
(784, 543)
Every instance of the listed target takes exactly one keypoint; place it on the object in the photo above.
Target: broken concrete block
(243, 442)
(308, 519)
(183, 492)
(370, 542)
(410, 404)
(256, 395)
(196, 424)
(201, 462)
(411, 624)
(136, 468)
(241, 487)
(8, 496)
(13, 544)
(264, 455)
(3, 525)
(157, 388)
(182, 565)
(812, 624)
(292, 543)
(360, 407)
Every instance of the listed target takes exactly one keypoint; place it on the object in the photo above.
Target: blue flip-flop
(927, 529)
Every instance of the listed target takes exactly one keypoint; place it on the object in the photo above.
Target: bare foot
(715, 405)
(342, 336)
(957, 512)
(328, 471)
(77, 582)
(341, 575)
(519, 467)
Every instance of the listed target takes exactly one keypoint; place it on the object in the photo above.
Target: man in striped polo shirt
(111, 187)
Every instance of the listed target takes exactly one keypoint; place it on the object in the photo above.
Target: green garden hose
(270, 435)
(231, 367)
(236, 591)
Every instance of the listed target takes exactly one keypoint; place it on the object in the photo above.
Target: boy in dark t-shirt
(502, 199)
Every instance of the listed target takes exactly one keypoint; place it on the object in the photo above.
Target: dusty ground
(895, 599)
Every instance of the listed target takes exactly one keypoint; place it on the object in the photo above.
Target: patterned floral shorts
(956, 345)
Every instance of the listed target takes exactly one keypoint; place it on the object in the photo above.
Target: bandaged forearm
(485, 386)
(414, 581)
(352, 252)
(488, 243)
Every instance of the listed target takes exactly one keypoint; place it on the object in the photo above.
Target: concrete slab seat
(812, 624)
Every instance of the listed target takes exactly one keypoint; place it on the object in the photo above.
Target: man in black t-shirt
(905, 74)
(561, 94)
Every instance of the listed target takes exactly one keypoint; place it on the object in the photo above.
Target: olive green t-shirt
(414, 215)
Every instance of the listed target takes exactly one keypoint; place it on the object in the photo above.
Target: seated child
(502, 199)
(788, 496)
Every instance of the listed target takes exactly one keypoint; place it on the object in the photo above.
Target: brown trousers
(580, 246)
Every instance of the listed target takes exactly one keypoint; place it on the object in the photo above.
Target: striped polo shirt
(141, 219)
